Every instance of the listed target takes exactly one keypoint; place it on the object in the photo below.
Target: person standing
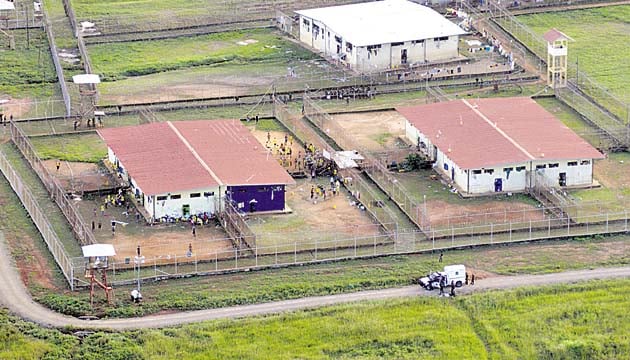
(441, 256)
(472, 279)
(194, 231)
(58, 165)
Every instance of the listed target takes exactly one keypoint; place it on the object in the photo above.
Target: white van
(456, 274)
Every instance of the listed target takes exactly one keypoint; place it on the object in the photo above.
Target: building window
(554, 165)
(572, 163)
(508, 169)
(208, 193)
(307, 24)
(585, 162)
(195, 195)
(445, 166)
(441, 38)
(476, 172)
(338, 39)
(488, 171)
(398, 44)
(161, 198)
(520, 168)
(543, 166)
(417, 42)
(348, 47)
(176, 196)
(263, 189)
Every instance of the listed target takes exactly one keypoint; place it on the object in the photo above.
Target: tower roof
(555, 35)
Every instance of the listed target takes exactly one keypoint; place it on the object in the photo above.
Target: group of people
(90, 123)
(4, 119)
(354, 92)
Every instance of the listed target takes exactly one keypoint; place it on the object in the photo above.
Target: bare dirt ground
(78, 176)
(373, 131)
(205, 86)
(332, 219)
(277, 138)
(15, 107)
(442, 213)
(162, 242)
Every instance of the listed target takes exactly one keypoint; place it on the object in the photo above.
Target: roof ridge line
(194, 153)
(495, 127)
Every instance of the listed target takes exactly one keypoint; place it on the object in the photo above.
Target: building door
(452, 173)
(498, 185)
(562, 179)
(403, 56)
(186, 210)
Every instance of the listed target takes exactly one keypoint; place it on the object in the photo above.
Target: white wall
(385, 57)
(576, 175)
(174, 207)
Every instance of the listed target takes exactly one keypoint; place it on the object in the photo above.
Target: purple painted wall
(257, 197)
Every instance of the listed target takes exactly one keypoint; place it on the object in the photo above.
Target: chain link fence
(39, 219)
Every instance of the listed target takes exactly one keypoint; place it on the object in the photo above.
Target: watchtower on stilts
(87, 92)
(96, 266)
(557, 58)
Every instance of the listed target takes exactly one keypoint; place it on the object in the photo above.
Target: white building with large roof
(486, 146)
(381, 34)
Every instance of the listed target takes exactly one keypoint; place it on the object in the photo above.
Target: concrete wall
(376, 57)
(199, 201)
(256, 198)
(513, 176)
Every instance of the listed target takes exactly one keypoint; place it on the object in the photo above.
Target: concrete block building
(190, 167)
(499, 145)
(380, 35)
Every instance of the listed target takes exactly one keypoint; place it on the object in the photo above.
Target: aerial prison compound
(380, 35)
(499, 145)
(192, 167)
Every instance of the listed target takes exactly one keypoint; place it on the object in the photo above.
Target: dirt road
(14, 296)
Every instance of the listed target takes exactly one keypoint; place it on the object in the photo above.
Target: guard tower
(5, 32)
(96, 265)
(87, 92)
(557, 59)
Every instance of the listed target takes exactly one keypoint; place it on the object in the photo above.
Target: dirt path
(14, 296)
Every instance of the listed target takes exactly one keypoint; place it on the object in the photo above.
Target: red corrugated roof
(554, 34)
(191, 155)
(156, 159)
(233, 153)
(492, 132)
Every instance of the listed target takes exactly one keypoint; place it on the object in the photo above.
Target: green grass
(24, 70)
(54, 214)
(601, 42)
(348, 276)
(75, 147)
(120, 60)
(579, 321)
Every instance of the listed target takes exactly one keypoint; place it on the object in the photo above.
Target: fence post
(491, 233)
(175, 264)
(216, 261)
(236, 258)
(295, 251)
(549, 227)
(606, 222)
(568, 225)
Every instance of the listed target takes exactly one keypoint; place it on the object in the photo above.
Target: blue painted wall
(266, 197)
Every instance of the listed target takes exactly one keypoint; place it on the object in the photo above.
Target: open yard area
(231, 63)
(323, 223)
(600, 46)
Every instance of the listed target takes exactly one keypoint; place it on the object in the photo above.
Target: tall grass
(583, 321)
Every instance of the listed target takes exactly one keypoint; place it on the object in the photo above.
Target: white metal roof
(383, 22)
(98, 250)
(6, 5)
(86, 79)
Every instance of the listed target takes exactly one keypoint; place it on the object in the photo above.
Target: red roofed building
(499, 145)
(191, 167)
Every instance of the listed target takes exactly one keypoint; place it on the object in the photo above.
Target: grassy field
(117, 61)
(75, 147)
(27, 72)
(601, 42)
(579, 321)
